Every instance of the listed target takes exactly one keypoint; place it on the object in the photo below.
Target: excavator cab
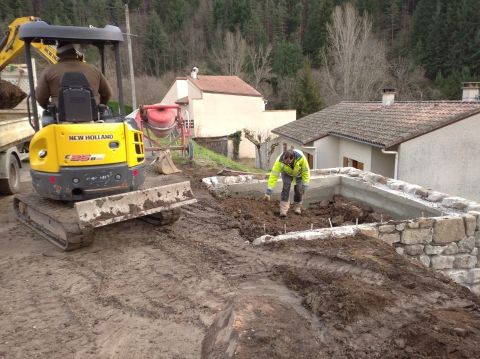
(88, 169)
(74, 155)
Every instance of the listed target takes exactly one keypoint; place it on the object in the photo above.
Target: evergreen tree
(315, 34)
(447, 36)
(294, 18)
(155, 46)
(288, 59)
(233, 14)
(306, 98)
(6, 13)
(116, 12)
(450, 86)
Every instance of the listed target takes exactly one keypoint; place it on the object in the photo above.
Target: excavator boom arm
(11, 45)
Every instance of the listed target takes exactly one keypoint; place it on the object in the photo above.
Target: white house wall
(356, 151)
(178, 90)
(327, 152)
(222, 114)
(382, 164)
(445, 160)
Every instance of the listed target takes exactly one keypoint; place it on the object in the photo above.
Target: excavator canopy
(49, 34)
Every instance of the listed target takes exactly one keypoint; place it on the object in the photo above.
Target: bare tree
(260, 59)
(355, 65)
(407, 77)
(232, 56)
(259, 139)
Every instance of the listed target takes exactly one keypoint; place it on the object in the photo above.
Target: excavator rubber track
(71, 226)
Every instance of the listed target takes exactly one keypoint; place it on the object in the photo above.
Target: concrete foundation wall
(385, 201)
(379, 198)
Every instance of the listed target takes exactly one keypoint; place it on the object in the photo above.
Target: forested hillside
(298, 53)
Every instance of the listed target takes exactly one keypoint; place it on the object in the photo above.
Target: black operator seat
(76, 102)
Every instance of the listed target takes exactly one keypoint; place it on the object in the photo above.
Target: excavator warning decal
(83, 158)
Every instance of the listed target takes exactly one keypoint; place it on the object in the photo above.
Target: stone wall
(449, 244)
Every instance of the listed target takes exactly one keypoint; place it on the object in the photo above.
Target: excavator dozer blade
(71, 227)
(121, 207)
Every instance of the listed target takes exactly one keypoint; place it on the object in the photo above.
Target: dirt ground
(199, 289)
(10, 95)
(256, 218)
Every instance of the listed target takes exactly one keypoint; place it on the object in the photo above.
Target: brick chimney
(471, 91)
(388, 97)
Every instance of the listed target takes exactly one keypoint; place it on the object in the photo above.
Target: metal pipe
(130, 57)
(31, 83)
(118, 63)
(395, 176)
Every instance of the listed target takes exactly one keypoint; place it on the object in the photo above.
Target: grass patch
(202, 156)
(206, 157)
(114, 106)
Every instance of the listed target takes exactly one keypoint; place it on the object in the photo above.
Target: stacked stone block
(447, 244)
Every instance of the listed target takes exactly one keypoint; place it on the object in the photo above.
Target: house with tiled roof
(219, 106)
(435, 144)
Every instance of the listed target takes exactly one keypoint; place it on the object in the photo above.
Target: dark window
(349, 162)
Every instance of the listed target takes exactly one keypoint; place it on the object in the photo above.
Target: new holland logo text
(82, 158)
(90, 137)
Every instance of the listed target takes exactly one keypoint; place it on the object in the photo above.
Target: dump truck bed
(14, 128)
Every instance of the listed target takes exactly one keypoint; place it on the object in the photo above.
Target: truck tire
(11, 185)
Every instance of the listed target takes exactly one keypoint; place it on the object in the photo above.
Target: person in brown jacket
(70, 60)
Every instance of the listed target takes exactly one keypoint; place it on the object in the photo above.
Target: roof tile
(380, 125)
(233, 85)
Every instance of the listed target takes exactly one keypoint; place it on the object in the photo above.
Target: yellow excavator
(87, 165)
(11, 46)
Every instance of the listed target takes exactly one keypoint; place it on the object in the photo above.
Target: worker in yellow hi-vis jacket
(293, 166)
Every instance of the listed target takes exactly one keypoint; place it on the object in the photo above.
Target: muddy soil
(10, 95)
(199, 289)
(256, 218)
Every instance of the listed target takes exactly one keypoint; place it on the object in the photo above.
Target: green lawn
(205, 157)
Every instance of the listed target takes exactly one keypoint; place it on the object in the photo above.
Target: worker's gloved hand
(268, 195)
(304, 188)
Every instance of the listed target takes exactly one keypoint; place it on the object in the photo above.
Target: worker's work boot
(297, 207)
(284, 208)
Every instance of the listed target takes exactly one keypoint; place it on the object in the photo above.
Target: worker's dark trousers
(297, 188)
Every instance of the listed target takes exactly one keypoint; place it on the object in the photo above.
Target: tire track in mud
(34, 308)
